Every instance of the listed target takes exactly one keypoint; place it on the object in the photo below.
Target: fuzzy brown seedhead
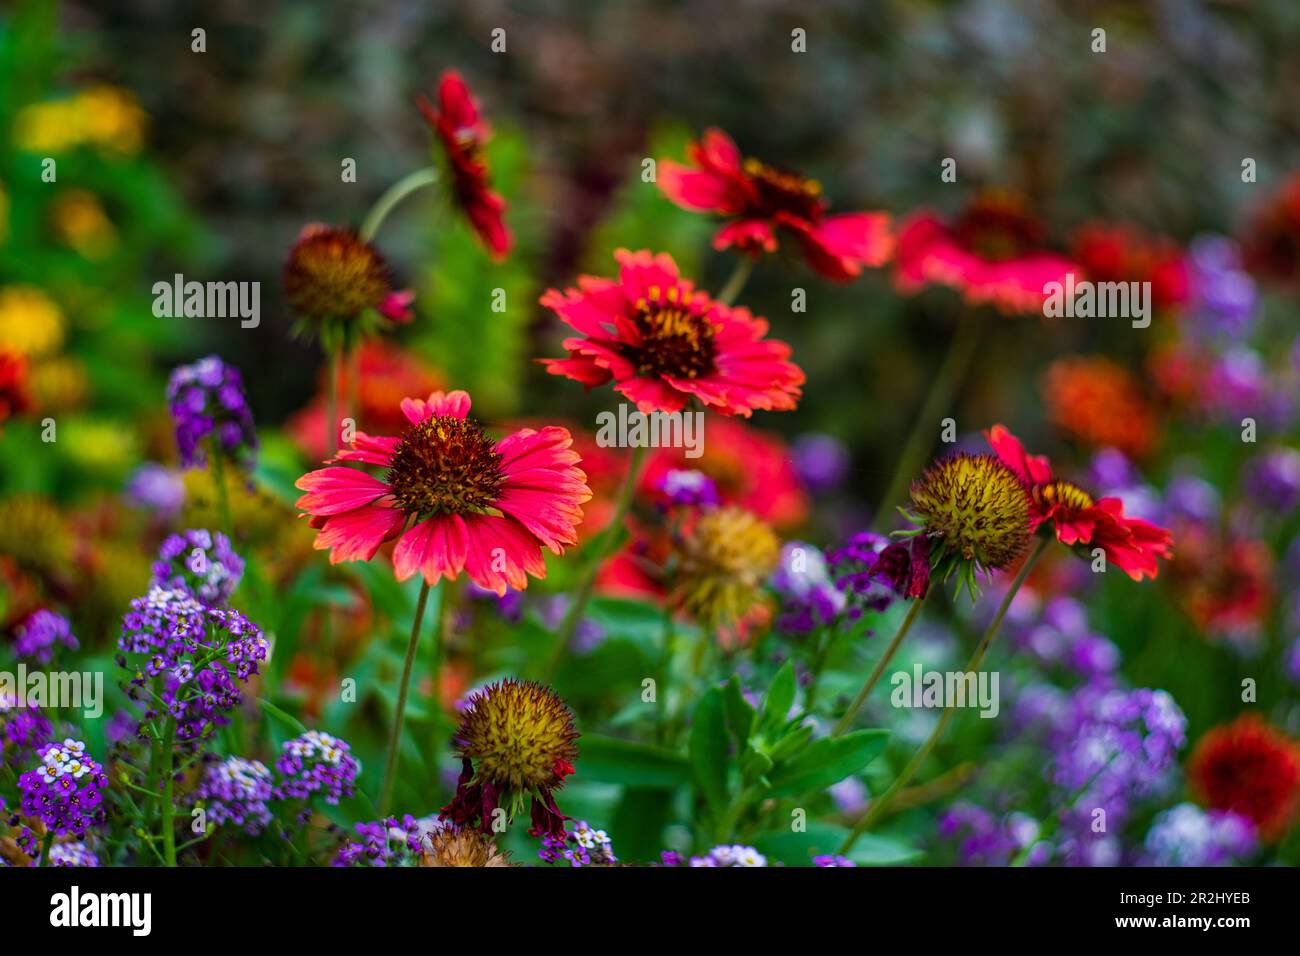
(520, 737)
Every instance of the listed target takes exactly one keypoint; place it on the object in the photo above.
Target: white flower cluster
(67, 760)
(736, 855)
(315, 745)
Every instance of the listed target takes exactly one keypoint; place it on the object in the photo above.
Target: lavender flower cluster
(1057, 634)
(65, 791)
(1186, 835)
(22, 730)
(809, 598)
(859, 572)
(37, 637)
(721, 855)
(195, 653)
(236, 791)
(582, 847)
(315, 763)
(207, 400)
(201, 563)
(387, 842)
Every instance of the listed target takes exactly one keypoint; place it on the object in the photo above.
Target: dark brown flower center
(783, 191)
(676, 341)
(997, 227)
(445, 465)
(1065, 494)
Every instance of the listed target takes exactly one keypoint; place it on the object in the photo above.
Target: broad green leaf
(778, 700)
(825, 839)
(708, 749)
(828, 761)
(610, 760)
(740, 715)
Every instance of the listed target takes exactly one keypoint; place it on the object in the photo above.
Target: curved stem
(601, 547)
(411, 182)
(395, 737)
(881, 803)
(46, 843)
(961, 349)
(223, 494)
(912, 613)
(736, 281)
(168, 802)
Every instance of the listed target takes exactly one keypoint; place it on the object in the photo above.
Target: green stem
(223, 494)
(600, 548)
(912, 613)
(448, 595)
(333, 366)
(961, 349)
(410, 183)
(736, 281)
(881, 803)
(395, 739)
(168, 804)
(45, 848)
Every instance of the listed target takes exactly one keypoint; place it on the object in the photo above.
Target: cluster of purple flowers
(587, 636)
(1223, 295)
(809, 598)
(688, 488)
(582, 847)
(388, 842)
(859, 573)
(38, 637)
(1057, 634)
(236, 791)
(73, 853)
(1186, 835)
(195, 653)
(828, 861)
(207, 400)
(1273, 481)
(65, 791)
(820, 461)
(721, 855)
(157, 488)
(315, 763)
(200, 562)
(22, 730)
(985, 838)
(1113, 746)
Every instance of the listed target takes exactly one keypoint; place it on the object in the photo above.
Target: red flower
(1248, 767)
(663, 342)
(14, 397)
(1271, 242)
(759, 199)
(990, 253)
(1131, 544)
(456, 499)
(463, 132)
(1120, 253)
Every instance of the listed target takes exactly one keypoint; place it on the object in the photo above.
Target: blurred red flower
(1251, 768)
(991, 253)
(1099, 403)
(1121, 253)
(759, 200)
(463, 134)
(1271, 240)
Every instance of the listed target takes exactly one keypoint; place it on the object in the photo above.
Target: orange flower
(1098, 403)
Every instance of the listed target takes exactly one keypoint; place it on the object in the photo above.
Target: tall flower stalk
(881, 804)
(399, 717)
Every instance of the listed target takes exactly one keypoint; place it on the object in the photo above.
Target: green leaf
(791, 744)
(740, 715)
(778, 700)
(282, 717)
(610, 760)
(828, 761)
(708, 749)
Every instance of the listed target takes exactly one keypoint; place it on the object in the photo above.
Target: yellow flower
(30, 321)
(975, 513)
(34, 534)
(106, 117)
(79, 220)
(724, 561)
(59, 384)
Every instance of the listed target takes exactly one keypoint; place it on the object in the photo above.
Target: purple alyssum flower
(157, 488)
(41, 634)
(200, 562)
(236, 791)
(316, 763)
(65, 791)
(207, 404)
(1186, 835)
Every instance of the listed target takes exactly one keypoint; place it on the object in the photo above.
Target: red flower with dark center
(991, 253)
(1251, 768)
(457, 499)
(1120, 253)
(463, 134)
(662, 342)
(760, 199)
(1131, 544)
